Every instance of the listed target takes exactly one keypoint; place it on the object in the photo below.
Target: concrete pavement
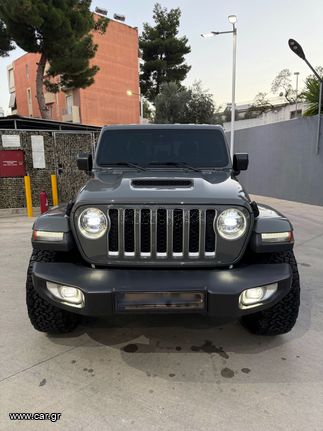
(163, 373)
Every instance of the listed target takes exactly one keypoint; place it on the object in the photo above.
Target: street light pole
(320, 103)
(298, 50)
(319, 118)
(233, 104)
(232, 20)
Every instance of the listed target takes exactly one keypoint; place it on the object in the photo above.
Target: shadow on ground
(147, 342)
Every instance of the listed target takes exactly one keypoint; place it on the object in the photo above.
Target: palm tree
(311, 94)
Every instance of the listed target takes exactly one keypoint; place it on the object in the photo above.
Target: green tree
(171, 104)
(260, 106)
(5, 41)
(148, 111)
(176, 104)
(60, 31)
(311, 93)
(282, 84)
(163, 52)
(201, 107)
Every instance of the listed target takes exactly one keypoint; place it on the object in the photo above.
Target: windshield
(153, 147)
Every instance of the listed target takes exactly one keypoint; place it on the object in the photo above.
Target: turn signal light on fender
(277, 237)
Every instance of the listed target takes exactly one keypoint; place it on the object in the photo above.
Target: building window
(27, 71)
(11, 78)
(29, 95)
(50, 110)
(12, 101)
(69, 104)
(29, 103)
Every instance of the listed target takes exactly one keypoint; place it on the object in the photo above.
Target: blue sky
(264, 26)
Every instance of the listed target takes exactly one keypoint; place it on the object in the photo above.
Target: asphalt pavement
(161, 372)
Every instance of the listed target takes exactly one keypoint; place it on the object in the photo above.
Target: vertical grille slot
(170, 224)
(161, 231)
(113, 231)
(145, 239)
(194, 231)
(209, 232)
(129, 231)
(178, 232)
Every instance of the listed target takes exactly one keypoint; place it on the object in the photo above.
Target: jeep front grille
(161, 233)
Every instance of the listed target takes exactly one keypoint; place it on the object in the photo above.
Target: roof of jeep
(162, 126)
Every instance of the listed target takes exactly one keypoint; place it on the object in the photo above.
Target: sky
(264, 27)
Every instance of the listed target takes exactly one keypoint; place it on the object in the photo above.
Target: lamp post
(296, 97)
(232, 20)
(141, 100)
(298, 50)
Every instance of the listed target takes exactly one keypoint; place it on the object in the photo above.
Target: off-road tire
(44, 316)
(282, 316)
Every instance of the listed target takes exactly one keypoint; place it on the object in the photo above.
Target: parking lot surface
(161, 372)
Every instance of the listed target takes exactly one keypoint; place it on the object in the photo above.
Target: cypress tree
(5, 42)
(163, 52)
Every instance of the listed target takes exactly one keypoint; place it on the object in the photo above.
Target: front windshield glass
(198, 148)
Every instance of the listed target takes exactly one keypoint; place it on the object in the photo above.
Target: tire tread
(44, 316)
(282, 317)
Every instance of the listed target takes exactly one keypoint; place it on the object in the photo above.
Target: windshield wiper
(132, 165)
(177, 164)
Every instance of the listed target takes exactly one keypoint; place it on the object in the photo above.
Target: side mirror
(85, 162)
(240, 162)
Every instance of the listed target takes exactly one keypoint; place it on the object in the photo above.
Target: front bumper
(221, 287)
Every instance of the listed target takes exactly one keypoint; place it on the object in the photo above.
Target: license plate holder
(189, 301)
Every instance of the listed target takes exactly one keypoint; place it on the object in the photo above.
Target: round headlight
(92, 223)
(231, 224)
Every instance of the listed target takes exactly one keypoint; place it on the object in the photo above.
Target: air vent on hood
(162, 183)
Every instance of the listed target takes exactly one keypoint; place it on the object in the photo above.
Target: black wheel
(44, 316)
(282, 316)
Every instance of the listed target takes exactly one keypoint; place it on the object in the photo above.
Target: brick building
(104, 102)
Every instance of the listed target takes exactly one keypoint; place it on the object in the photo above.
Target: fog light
(257, 295)
(66, 294)
(250, 296)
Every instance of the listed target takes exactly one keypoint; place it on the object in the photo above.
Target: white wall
(280, 114)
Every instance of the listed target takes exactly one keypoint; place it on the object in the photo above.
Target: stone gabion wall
(61, 149)
(68, 146)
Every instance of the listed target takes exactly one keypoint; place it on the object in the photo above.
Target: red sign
(12, 163)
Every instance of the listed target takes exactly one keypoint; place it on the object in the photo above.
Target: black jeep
(163, 226)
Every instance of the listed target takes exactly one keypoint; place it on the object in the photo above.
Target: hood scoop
(164, 183)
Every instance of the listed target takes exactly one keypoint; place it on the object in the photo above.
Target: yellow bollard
(28, 196)
(54, 190)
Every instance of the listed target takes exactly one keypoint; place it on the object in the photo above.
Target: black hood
(200, 188)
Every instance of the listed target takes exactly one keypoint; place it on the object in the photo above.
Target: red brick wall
(24, 81)
(106, 101)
